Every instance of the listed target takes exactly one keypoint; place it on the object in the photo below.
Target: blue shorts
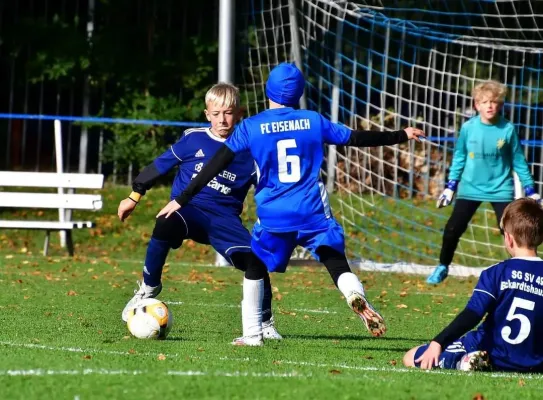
(449, 358)
(224, 232)
(275, 248)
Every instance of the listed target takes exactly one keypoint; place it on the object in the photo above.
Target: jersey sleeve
(459, 157)
(520, 166)
(334, 133)
(171, 157)
(485, 293)
(239, 140)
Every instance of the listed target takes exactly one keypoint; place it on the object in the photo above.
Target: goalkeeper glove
(446, 197)
(530, 192)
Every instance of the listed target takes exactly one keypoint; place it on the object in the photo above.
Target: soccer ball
(150, 319)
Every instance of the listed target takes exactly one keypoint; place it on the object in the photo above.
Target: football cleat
(372, 319)
(475, 361)
(249, 341)
(269, 331)
(143, 292)
(439, 275)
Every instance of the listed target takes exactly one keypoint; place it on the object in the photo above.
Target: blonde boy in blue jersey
(486, 153)
(292, 204)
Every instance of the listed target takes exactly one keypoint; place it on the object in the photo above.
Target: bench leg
(46, 243)
(69, 243)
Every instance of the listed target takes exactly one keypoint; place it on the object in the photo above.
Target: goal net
(387, 65)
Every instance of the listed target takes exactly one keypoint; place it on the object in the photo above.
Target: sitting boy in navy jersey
(213, 216)
(510, 294)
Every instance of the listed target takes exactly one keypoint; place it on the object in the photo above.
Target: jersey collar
(527, 258)
(212, 136)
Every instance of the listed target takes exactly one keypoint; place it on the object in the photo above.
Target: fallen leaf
(403, 294)
(132, 351)
(521, 382)
(334, 372)
(161, 357)
(393, 362)
(478, 396)
(368, 357)
(87, 357)
(71, 293)
(401, 306)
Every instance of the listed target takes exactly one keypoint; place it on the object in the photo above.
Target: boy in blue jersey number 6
(511, 295)
(291, 202)
(485, 155)
(213, 216)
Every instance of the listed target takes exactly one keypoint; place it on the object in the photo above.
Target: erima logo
(199, 153)
(145, 270)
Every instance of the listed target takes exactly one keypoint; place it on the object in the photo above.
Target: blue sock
(157, 251)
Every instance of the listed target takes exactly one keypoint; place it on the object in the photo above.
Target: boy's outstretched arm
(143, 182)
(377, 138)
(148, 177)
(222, 158)
(463, 323)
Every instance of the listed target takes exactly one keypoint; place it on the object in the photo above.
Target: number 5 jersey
(511, 294)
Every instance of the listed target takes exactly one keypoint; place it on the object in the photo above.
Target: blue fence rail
(28, 140)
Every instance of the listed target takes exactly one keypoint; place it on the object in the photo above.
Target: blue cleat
(439, 275)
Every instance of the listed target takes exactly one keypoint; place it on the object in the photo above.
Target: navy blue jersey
(287, 145)
(511, 293)
(195, 148)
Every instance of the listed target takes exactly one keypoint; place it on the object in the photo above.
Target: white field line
(102, 371)
(81, 350)
(179, 303)
(393, 370)
(305, 310)
(299, 363)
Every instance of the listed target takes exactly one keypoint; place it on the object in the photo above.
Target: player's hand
(530, 192)
(430, 358)
(414, 133)
(125, 208)
(170, 208)
(446, 197)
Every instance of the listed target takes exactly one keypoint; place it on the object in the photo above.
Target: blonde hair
(523, 219)
(223, 95)
(497, 90)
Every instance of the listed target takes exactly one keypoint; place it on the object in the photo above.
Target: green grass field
(63, 337)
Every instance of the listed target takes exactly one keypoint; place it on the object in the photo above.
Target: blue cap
(285, 85)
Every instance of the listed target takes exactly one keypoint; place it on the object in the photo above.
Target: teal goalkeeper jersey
(484, 159)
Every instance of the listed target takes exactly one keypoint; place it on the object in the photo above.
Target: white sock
(348, 283)
(251, 307)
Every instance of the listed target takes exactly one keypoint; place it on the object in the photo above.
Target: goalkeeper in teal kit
(486, 154)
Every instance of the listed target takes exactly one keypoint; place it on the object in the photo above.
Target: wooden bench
(64, 202)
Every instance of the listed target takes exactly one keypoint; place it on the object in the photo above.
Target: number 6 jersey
(511, 294)
(287, 145)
